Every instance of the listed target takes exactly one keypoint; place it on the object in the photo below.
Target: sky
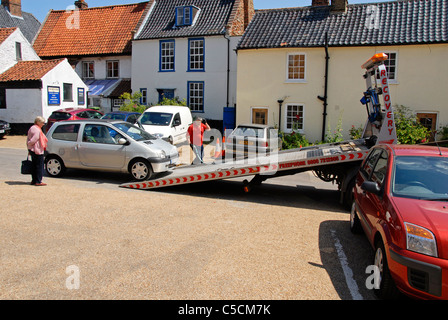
(40, 8)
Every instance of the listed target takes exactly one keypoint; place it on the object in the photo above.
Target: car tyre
(54, 166)
(387, 289)
(355, 223)
(140, 169)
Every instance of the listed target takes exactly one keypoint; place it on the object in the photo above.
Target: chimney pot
(318, 3)
(81, 4)
(339, 5)
(13, 6)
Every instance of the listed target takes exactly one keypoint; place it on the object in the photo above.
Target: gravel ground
(131, 244)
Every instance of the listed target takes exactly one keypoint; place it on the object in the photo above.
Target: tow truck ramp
(283, 162)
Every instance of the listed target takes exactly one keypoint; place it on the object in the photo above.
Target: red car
(401, 204)
(72, 114)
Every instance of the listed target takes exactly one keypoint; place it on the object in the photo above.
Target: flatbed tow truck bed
(267, 166)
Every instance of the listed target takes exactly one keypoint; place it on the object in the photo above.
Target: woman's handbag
(27, 166)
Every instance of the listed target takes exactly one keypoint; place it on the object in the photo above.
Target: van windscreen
(156, 118)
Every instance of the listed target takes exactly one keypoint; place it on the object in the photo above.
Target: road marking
(348, 273)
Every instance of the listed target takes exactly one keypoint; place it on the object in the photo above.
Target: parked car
(127, 116)
(72, 114)
(4, 128)
(252, 139)
(401, 204)
(107, 145)
(167, 122)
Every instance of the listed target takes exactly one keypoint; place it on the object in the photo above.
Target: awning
(101, 87)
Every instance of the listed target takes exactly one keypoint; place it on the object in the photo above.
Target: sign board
(81, 96)
(54, 96)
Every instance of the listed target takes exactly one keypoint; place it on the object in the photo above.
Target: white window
(391, 66)
(294, 118)
(88, 70)
(296, 67)
(166, 62)
(196, 96)
(113, 69)
(196, 55)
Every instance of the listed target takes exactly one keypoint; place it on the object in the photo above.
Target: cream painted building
(282, 63)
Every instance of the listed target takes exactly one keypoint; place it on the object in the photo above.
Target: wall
(422, 74)
(145, 72)
(100, 66)
(8, 51)
(62, 73)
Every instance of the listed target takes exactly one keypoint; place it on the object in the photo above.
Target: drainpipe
(325, 97)
(228, 69)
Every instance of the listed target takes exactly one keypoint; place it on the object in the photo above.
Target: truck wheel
(140, 169)
(54, 166)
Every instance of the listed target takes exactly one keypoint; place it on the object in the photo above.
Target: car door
(371, 203)
(99, 147)
(177, 128)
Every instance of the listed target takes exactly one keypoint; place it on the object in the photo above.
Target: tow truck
(333, 162)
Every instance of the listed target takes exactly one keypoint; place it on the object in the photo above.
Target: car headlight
(421, 240)
(162, 154)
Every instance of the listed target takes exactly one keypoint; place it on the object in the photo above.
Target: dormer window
(185, 15)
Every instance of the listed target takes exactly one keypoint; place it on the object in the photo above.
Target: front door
(99, 148)
(165, 93)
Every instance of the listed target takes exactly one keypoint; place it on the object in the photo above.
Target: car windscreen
(249, 132)
(156, 118)
(420, 177)
(134, 132)
(60, 115)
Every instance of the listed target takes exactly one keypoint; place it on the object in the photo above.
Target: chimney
(13, 6)
(318, 3)
(339, 6)
(81, 4)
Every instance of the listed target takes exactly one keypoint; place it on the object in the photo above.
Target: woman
(37, 143)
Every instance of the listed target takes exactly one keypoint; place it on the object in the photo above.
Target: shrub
(132, 102)
(409, 129)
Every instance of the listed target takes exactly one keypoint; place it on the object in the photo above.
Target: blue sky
(40, 8)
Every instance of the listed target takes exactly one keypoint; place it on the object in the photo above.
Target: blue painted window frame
(185, 21)
(144, 96)
(189, 95)
(161, 43)
(203, 55)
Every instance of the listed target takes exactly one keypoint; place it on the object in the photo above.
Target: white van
(167, 122)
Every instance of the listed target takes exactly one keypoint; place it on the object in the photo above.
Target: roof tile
(29, 70)
(101, 30)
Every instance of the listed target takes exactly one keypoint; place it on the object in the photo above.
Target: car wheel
(54, 166)
(355, 223)
(140, 170)
(387, 288)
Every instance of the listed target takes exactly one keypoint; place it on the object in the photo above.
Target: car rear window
(249, 132)
(60, 115)
(66, 132)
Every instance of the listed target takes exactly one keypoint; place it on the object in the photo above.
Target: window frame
(19, 53)
(190, 55)
(86, 69)
(161, 56)
(190, 96)
(286, 117)
(394, 79)
(65, 91)
(112, 70)
(144, 98)
(184, 21)
(292, 80)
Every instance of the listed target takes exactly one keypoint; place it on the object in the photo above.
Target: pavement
(82, 237)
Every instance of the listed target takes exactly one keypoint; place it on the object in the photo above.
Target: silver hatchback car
(107, 145)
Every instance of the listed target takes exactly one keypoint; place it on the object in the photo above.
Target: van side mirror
(371, 187)
(176, 123)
